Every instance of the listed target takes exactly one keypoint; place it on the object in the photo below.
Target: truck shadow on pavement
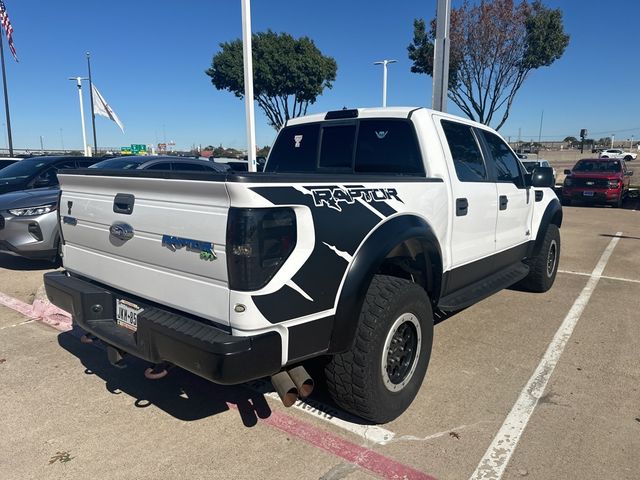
(181, 394)
(11, 262)
(188, 397)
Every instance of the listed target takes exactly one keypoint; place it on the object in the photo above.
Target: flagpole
(6, 95)
(93, 114)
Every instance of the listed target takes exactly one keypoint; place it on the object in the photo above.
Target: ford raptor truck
(363, 223)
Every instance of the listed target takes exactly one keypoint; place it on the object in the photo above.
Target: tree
(494, 45)
(289, 74)
(264, 151)
(570, 140)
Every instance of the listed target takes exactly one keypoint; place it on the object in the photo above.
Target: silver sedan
(29, 223)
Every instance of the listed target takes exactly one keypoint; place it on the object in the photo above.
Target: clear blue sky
(149, 57)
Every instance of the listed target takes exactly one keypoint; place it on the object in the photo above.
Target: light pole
(612, 139)
(441, 56)
(84, 132)
(41, 144)
(631, 143)
(384, 64)
(248, 85)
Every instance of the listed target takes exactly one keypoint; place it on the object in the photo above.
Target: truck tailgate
(167, 258)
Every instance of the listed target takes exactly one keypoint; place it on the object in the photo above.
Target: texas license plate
(127, 314)
(587, 194)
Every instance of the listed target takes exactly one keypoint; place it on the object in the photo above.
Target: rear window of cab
(364, 146)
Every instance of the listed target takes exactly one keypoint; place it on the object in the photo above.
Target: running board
(487, 286)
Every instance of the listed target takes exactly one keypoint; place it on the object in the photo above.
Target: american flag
(6, 24)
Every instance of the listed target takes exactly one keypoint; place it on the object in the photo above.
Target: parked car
(362, 223)
(240, 164)
(617, 153)
(597, 180)
(531, 165)
(5, 162)
(28, 218)
(38, 172)
(162, 162)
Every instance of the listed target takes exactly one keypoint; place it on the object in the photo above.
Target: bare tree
(494, 46)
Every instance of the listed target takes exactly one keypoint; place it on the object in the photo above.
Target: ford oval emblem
(121, 230)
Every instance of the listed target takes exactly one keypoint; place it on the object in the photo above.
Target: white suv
(617, 153)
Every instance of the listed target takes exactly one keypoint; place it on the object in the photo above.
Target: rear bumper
(194, 345)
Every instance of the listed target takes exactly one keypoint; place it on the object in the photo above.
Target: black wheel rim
(551, 259)
(401, 352)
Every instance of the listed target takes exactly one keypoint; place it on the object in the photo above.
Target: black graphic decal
(322, 273)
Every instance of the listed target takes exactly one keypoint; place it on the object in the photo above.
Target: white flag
(101, 107)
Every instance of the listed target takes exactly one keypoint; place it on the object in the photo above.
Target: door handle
(503, 202)
(123, 203)
(462, 207)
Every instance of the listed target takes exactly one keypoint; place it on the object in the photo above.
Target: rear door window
(465, 152)
(188, 167)
(166, 166)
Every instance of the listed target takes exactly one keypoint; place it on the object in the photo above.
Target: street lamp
(613, 137)
(384, 64)
(78, 81)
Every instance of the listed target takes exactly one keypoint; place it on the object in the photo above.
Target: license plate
(127, 314)
(587, 194)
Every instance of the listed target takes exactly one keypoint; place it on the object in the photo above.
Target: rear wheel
(380, 375)
(544, 266)
(628, 158)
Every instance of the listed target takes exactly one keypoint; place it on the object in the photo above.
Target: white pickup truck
(362, 224)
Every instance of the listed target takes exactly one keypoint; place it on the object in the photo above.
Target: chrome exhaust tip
(285, 387)
(302, 380)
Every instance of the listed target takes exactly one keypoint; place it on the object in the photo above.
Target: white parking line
(497, 456)
(340, 419)
(620, 279)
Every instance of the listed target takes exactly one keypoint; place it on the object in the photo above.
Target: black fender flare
(552, 214)
(367, 262)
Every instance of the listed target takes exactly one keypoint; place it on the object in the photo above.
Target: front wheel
(544, 266)
(380, 375)
(618, 203)
(628, 158)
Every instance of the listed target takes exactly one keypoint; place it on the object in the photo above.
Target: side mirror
(567, 172)
(542, 177)
(631, 173)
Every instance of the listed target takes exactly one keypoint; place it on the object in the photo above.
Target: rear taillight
(614, 183)
(259, 241)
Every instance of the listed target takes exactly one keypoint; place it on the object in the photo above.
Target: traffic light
(583, 133)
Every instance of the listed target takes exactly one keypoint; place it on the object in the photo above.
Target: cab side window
(465, 152)
(506, 163)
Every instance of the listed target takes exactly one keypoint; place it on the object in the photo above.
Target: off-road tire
(544, 266)
(356, 379)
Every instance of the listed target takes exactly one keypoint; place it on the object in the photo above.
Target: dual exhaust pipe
(291, 384)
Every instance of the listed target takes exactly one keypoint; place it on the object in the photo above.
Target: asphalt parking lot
(520, 385)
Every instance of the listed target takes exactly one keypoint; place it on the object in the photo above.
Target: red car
(597, 180)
